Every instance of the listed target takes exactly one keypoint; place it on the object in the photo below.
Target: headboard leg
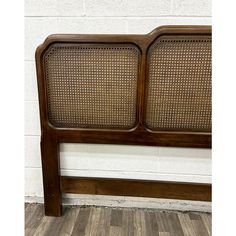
(51, 175)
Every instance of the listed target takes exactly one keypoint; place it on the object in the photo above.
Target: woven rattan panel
(92, 85)
(179, 83)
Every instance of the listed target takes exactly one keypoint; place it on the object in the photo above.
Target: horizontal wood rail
(152, 89)
(136, 188)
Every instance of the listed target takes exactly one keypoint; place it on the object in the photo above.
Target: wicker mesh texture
(92, 85)
(179, 83)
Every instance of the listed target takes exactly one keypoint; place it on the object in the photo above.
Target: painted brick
(128, 8)
(148, 8)
(117, 17)
(185, 152)
(37, 29)
(105, 8)
(92, 25)
(33, 182)
(31, 91)
(32, 151)
(109, 157)
(138, 175)
(54, 8)
(186, 161)
(185, 165)
(32, 123)
(146, 25)
(191, 8)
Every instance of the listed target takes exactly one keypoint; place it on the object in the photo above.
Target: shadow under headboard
(152, 89)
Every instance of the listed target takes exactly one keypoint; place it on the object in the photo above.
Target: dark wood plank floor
(102, 221)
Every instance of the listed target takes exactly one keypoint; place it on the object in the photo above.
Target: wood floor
(102, 221)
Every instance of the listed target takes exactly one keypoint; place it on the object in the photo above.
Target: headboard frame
(152, 89)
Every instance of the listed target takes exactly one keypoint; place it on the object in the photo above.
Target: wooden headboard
(152, 89)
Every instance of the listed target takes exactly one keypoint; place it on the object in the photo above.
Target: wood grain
(81, 222)
(107, 221)
(33, 218)
(139, 134)
(139, 188)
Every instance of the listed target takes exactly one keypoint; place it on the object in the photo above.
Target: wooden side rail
(152, 89)
(136, 188)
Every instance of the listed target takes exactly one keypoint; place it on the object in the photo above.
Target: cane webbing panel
(179, 83)
(92, 85)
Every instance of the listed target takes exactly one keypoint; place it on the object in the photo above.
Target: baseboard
(134, 202)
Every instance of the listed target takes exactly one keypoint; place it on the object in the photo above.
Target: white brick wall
(119, 16)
